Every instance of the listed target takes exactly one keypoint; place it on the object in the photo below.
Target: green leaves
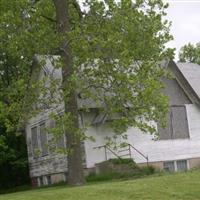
(116, 49)
(190, 53)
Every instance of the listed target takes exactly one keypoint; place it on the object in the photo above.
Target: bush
(122, 161)
(137, 172)
(148, 170)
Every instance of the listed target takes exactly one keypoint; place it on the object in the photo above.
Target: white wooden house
(178, 147)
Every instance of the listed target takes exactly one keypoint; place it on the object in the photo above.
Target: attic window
(177, 124)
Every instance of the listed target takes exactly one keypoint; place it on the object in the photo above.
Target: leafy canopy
(190, 53)
(116, 47)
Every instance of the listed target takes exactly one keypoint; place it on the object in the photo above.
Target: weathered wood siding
(43, 164)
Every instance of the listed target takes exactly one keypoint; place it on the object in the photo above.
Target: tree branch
(49, 18)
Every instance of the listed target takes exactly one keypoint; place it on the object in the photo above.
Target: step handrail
(146, 157)
(129, 145)
(106, 147)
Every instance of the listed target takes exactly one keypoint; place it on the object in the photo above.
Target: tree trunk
(75, 168)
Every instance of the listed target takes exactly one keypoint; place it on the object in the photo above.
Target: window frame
(40, 139)
(174, 121)
(34, 148)
(176, 165)
(169, 170)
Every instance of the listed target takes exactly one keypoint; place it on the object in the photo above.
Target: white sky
(185, 17)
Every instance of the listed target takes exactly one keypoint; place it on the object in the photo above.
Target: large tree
(110, 53)
(190, 53)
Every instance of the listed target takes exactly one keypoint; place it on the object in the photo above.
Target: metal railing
(146, 157)
(107, 148)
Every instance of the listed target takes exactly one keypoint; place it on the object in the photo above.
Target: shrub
(122, 161)
(147, 170)
(137, 172)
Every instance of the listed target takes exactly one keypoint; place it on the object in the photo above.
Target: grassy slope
(183, 186)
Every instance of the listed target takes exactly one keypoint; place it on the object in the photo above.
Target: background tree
(13, 152)
(190, 53)
(110, 54)
(13, 159)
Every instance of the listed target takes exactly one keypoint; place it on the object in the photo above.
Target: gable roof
(191, 72)
(188, 77)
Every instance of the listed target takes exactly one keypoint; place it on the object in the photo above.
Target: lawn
(182, 186)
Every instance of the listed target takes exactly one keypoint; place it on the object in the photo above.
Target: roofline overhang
(183, 83)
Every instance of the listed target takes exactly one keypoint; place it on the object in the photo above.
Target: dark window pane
(43, 140)
(41, 181)
(51, 142)
(61, 136)
(83, 153)
(181, 165)
(61, 141)
(166, 132)
(34, 139)
(179, 122)
(52, 123)
(49, 180)
(58, 140)
(169, 166)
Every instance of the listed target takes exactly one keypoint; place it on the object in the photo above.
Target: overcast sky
(185, 17)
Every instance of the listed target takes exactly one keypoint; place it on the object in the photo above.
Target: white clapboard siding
(160, 150)
(171, 149)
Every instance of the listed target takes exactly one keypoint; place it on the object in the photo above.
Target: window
(29, 147)
(61, 136)
(34, 181)
(177, 124)
(49, 180)
(51, 142)
(65, 176)
(181, 165)
(52, 123)
(34, 139)
(169, 166)
(61, 141)
(43, 140)
(58, 140)
(41, 181)
(83, 154)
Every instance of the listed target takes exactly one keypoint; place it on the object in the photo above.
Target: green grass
(182, 186)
